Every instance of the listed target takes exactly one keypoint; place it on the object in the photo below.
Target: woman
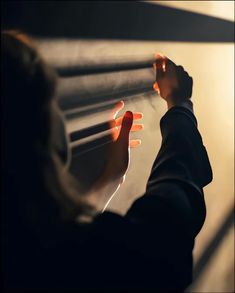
(46, 243)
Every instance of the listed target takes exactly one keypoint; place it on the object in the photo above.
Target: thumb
(123, 137)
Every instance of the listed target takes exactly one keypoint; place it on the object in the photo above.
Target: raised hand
(118, 156)
(172, 82)
(116, 123)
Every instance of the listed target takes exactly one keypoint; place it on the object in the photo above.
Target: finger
(115, 133)
(164, 60)
(123, 138)
(156, 87)
(186, 84)
(164, 64)
(136, 116)
(180, 69)
(117, 108)
(182, 76)
(191, 81)
(160, 65)
(112, 123)
(169, 62)
(190, 87)
(135, 143)
(137, 127)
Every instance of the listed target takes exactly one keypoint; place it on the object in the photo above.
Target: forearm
(173, 209)
(181, 163)
(182, 155)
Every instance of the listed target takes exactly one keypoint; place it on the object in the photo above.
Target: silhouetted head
(34, 141)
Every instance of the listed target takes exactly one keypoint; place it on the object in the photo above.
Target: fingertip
(155, 85)
(138, 143)
(127, 120)
(158, 55)
(138, 115)
(137, 127)
(140, 126)
(135, 143)
(120, 105)
(117, 108)
(129, 115)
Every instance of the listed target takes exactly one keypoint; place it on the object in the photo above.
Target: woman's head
(28, 88)
(34, 142)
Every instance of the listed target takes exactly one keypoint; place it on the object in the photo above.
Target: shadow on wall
(114, 20)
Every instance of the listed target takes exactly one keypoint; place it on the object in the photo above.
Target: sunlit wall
(211, 64)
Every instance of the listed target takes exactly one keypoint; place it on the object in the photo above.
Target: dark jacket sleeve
(182, 156)
(181, 166)
(172, 211)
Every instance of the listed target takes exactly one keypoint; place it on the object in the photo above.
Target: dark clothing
(148, 249)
